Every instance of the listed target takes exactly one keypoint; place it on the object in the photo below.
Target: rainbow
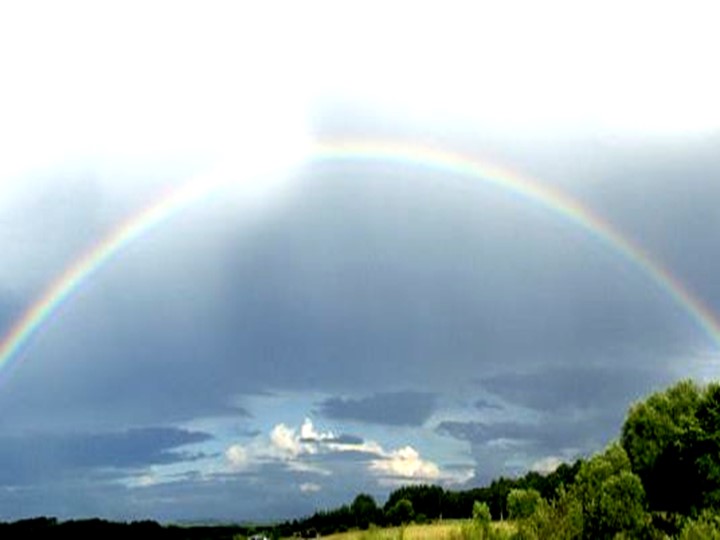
(170, 204)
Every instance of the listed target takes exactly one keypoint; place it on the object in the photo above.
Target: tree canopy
(673, 441)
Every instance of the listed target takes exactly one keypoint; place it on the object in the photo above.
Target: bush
(560, 519)
(705, 527)
(521, 503)
(481, 514)
(401, 513)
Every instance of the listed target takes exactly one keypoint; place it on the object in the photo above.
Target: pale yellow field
(445, 530)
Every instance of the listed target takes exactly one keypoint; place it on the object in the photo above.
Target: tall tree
(662, 437)
(611, 496)
(364, 510)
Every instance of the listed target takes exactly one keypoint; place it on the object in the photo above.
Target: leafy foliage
(673, 442)
(560, 518)
(522, 503)
(365, 511)
(481, 514)
(705, 527)
(401, 512)
(611, 495)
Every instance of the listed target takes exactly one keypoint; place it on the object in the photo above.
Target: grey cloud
(544, 436)
(571, 387)
(45, 457)
(487, 404)
(342, 439)
(354, 285)
(512, 447)
(391, 408)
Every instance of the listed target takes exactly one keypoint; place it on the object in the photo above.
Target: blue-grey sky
(358, 324)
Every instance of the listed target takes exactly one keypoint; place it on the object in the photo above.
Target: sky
(293, 252)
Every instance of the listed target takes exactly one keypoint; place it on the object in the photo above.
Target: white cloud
(284, 445)
(286, 442)
(292, 447)
(405, 463)
(549, 464)
(237, 456)
(309, 433)
(309, 487)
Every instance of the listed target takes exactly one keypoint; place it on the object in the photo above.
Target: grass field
(445, 530)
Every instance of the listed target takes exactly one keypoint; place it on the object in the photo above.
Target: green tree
(659, 436)
(402, 512)
(611, 496)
(705, 527)
(426, 499)
(707, 453)
(364, 511)
(559, 519)
(481, 514)
(522, 503)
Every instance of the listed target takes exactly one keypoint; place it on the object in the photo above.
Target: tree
(426, 499)
(611, 496)
(481, 514)
(663, 438)
(708, 447)
(364, 511)
(559, 519)
(705, 527)
(522, 503)
(402, 512)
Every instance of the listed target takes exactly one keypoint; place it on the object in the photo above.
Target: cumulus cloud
(405, 463)
(284, 445)
(309, 450)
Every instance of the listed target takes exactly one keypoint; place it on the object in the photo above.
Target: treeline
(424, 503)
(44, 527)
(660, 480)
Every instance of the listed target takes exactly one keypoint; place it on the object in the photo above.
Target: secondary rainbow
(415, 155)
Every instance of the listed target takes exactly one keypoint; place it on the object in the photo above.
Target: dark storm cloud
(391, 408)
(509, 448)
(571, 387)
(670, 207)
(542, 438)
(355, 284)
(581, 409)
(487, 404)
(42, 458)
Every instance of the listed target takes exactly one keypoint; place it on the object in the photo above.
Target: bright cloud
(299, 450)
(309, 433)
(309, 487)
(237, 456)
(547, 464)
(405, 463)
(284, 440)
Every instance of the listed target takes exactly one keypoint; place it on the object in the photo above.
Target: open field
(444, 530)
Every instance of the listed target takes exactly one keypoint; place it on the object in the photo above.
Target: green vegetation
(660, 480)
(522, 503)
